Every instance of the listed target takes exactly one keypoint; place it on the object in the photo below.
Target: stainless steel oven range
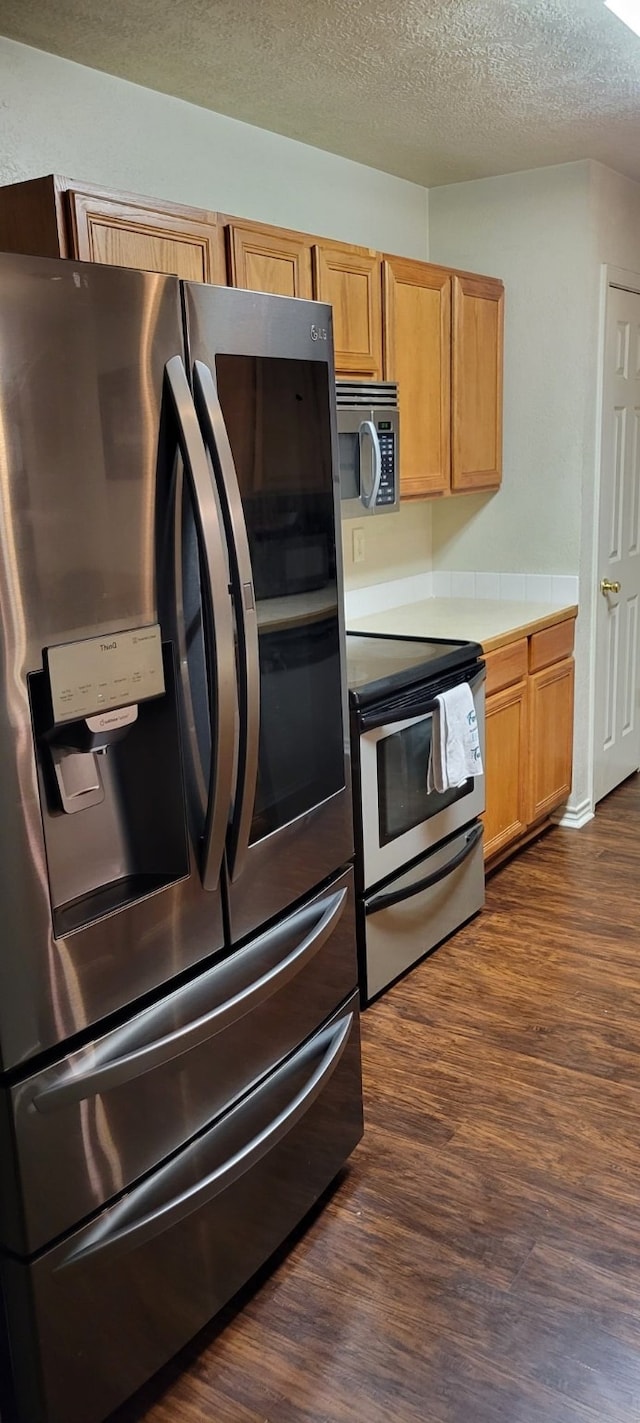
(419, 862)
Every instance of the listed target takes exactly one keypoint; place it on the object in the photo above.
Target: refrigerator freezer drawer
(88, 1127)
(422, 906)
(115, 1300)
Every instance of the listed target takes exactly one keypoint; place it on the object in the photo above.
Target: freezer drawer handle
(397, 896)
(217, 442)
(218, 622)
(110, 1237)
(131, 1064)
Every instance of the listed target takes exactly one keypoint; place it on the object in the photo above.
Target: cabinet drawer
(551, 645)
(506, 665)
(95, 1122)
(114, 1301)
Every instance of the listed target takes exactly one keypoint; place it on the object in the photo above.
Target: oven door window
(403, 799)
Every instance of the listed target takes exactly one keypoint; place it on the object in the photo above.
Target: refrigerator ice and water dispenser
(107, 745)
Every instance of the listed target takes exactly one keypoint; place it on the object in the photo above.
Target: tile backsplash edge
(515, 587)
(359, 602)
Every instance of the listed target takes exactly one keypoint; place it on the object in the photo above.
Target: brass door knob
(608, 587)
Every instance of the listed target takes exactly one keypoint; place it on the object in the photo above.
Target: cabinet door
(551, 739)
(123, 233)
(417, 354)
(349, 278)
(266, 260)
(478, 306)
(505, 816)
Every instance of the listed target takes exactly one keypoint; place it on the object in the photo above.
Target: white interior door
(617, 719)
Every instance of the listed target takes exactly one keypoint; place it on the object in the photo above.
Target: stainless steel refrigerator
(179, 1049)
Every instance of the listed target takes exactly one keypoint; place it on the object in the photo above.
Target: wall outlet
(357, 545)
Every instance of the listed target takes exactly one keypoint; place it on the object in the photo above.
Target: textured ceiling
(433, 90)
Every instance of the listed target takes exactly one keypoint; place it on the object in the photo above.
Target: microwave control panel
(387, 493)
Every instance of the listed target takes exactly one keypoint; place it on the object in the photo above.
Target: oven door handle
(381, 714)
(397, 896)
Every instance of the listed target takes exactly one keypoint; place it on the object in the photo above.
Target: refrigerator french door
(102, 904)
(262, 390)
(179, 1045)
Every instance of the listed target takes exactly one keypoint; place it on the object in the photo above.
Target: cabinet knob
(606, 586)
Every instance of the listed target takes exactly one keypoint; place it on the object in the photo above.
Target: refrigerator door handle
(111, 1237)
(126, 1062)
(217, 441)
(218, 624)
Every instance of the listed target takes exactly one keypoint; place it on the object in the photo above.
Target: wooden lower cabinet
(528, 734)
(505, 818)
(551, 737)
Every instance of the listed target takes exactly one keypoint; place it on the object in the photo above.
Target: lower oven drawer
(119, 1297)
(419, 908)
(84, 1129)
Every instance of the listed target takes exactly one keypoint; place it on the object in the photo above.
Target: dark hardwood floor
(479, 1262)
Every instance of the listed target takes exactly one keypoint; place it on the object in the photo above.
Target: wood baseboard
(510, 850)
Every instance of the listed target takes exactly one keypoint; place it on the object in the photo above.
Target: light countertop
(491, 622)
(276, 613)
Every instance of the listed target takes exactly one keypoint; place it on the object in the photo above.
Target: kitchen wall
(62, 117)
(547, 233)
(56, 116)
(532, 230)
(395, 545)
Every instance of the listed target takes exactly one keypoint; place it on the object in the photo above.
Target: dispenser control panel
(99, 673)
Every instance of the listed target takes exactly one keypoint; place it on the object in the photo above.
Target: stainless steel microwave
(368, 442)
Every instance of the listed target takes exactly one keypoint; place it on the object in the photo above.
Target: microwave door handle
(398, 896)
(367, 427)
(217, 621)
(217, 441)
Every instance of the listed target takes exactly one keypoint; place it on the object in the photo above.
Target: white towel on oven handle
(455, 745)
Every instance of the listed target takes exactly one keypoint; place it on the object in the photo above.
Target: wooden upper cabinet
(155, 237)
(478, 313)
(55, 217)
(417, 354)
(349, 278)
(267, 259)
(442, 329)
